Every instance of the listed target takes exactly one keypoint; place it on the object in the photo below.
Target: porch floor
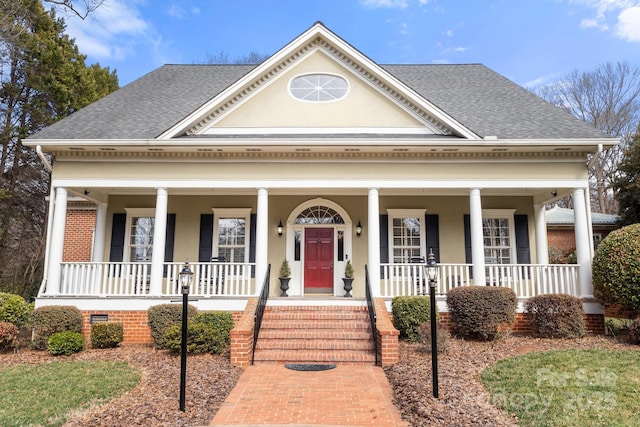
(344, 396)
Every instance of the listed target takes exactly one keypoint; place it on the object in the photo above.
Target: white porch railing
(526, 280)
(133, 279)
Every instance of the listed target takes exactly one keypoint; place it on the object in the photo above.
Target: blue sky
(531, 42)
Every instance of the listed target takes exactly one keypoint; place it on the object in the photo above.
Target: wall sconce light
(280, 229)
(358, 229)
(554, 193)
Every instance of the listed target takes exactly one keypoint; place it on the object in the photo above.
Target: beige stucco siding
(309, 170)
(450, 211)
(273, 106)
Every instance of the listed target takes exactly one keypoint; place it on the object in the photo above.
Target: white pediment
(364, 99)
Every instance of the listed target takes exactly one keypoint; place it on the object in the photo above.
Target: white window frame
(319, 73)
(509, 215)
(135, 213)
(219, 213)
(407, 213)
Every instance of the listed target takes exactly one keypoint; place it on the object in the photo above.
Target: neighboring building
(203, 162)
(561, 229)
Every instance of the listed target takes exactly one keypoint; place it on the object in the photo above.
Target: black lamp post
(186, 276)
(432, 274)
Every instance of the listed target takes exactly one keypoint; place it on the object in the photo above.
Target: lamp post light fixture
(280, 228)
(186, 276)
(432, 274)
(358, 229)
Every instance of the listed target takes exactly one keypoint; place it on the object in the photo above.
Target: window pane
(406, 239)
(141, 239)
(231, 239)
(497, 242)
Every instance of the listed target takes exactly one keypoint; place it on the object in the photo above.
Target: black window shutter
(384, 239)
(252, 242)
(433, 235)
(116, 252)
(206, 238)
(522, 239)
(467, 239)
(169, 239)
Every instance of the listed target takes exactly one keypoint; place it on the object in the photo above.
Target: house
(318, 155)
(561, 232)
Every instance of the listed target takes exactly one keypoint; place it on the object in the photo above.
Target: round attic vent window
(318, 87)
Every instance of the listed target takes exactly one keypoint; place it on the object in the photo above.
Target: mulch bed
(462, 399)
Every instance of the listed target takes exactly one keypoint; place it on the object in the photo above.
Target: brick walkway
(344, 396)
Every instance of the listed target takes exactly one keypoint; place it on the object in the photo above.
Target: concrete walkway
(272, 395)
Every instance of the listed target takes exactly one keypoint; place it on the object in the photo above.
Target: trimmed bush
(480, 312)
(208, 332)
(616, 268)
(408, 314)
(106, 334)
(14, 309)
(49, 320)
(163, 316)
(8, 336)
(556, 316)
(634, 331)
(66, 342)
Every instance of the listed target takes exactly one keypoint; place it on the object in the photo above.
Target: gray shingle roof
(564, 216)
(480, 99)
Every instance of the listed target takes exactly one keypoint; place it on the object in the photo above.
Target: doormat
(308, 367)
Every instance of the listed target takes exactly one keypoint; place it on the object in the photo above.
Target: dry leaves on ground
(155, 401)
(463, 401)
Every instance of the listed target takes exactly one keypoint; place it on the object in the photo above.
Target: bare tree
(609, 99)
(222, 57)
(81, 8)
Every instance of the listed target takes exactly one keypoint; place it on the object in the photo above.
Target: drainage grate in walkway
(308, 367)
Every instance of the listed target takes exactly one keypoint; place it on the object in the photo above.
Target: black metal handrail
(257, 317)
(372, 312)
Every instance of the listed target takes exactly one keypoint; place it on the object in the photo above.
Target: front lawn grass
(46, 394)
(568, 387)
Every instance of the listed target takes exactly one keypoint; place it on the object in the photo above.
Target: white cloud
(111, 32)
(440, 61)
(404, 28)
(448, 33)
(628, 27)
(593, 23)
(176, 11)
(375, 4)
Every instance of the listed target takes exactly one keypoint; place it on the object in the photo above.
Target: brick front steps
(315, 334)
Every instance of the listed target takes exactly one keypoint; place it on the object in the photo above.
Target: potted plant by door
(285, 276)
(348, 278)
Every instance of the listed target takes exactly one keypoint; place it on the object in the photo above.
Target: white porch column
(57, 242)
(477, 241)
(262, 237)
(373, 244)
(583, 244)
(542, 245)
(159, 238)
(97, 255)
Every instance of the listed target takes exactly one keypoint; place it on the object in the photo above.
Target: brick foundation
(134, 323)
(387, 335)
(594, 323)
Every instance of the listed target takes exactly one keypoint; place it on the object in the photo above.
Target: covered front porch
(491, 236)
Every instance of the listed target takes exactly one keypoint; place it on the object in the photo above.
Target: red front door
(318, 260)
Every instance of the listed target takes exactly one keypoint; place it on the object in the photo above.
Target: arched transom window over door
(319, 215)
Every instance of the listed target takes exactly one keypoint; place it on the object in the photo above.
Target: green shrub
(616, 268)
(408, 314)
(106, 334)
(49, 320)
(161, 317)
(8, 336)
(556, 316)
(480, 312)
(14, 309)
(66, 342)
(208, 332)
(634, 331)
